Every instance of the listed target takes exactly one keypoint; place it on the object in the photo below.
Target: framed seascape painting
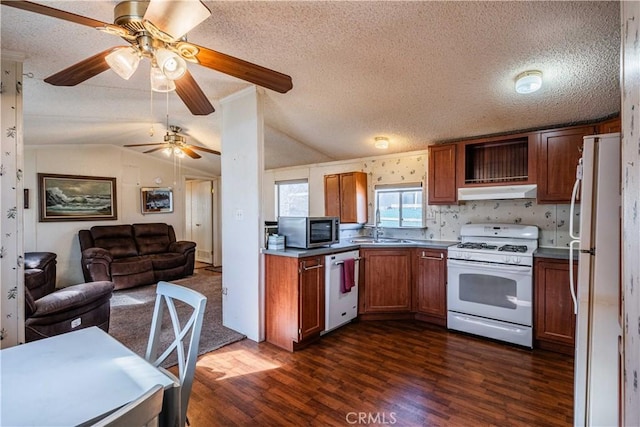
(76, 198)
(156, 200)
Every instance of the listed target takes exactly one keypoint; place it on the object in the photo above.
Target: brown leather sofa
(134, 255)
(50, 312)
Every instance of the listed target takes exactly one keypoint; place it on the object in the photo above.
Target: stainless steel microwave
(309, 232)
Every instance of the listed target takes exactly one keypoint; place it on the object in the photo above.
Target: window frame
(277, 192)
(400, 189)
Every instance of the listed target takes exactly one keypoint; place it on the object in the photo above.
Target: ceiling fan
(157, 30)
(176, 144)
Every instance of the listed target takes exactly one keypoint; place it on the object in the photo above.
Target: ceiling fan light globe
(167, 151)
(170, 63)
(160, 82)
(123, 61)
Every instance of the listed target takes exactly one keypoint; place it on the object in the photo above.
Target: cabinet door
(610, 126)
(387, 282)
(558, 155)
(555, 321)
(353, 197)
(442, 175)
(332, 195)
(429, 272)
(311, 304)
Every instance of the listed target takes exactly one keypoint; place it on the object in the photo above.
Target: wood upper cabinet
(500, 160)
(387, 281)
(442, 175)
(610, 126)
(430, 285)
(345, 196)
(294, 300)
(554, 319)
(558, 154)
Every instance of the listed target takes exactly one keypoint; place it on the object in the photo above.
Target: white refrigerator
(596, 290)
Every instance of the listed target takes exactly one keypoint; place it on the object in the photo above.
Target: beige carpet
(132, 311)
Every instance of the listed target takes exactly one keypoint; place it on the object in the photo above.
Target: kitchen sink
(379, 240)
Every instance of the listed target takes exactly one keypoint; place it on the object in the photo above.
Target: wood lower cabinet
(442, 175)
(430, 280)
(387, 282)
(295, 300)
(554, 319)
(558, 154)
(345, 196)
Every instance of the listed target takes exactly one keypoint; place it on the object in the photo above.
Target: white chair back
(166, 294)
(142, 412)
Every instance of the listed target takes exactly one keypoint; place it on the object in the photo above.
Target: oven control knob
(467, 256)
(506, 260)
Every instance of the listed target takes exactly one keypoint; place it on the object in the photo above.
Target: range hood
(498, 192)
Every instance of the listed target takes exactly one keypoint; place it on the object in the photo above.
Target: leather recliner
(50, 312)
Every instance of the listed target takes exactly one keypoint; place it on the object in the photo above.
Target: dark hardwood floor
(383, 373)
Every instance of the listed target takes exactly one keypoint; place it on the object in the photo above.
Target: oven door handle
(490, 266)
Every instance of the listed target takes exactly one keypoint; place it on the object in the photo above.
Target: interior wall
(11, 203)
(242, 231)
(131, 170)
(630, 80)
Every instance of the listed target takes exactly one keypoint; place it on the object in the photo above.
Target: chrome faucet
(376, 231)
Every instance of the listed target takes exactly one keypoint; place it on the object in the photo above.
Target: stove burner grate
(472, 245)
(513, 248)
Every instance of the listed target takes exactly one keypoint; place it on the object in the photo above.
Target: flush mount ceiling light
(382, 142)
(529, 81)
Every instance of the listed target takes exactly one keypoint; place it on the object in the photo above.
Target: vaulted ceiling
(417, 72)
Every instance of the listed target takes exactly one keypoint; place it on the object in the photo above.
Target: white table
(73, 378)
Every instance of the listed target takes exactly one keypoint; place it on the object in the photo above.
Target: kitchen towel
(347, 282)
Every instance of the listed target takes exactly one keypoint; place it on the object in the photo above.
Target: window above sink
(399, 205)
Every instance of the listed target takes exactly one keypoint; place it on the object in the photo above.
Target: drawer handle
(305, 268)
(440, 258)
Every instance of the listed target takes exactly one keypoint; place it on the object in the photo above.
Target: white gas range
(490, 285)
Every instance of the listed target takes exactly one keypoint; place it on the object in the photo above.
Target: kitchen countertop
(554, 253)
(347, 246)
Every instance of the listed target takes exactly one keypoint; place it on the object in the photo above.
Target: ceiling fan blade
(154, 149)
(176, 18)
(206, 150)
(143, 145)
(54, 13)
(190, 153)
(193, 97)
(83, 70)
(244, 70)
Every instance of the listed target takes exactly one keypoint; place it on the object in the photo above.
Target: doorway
(199, 218)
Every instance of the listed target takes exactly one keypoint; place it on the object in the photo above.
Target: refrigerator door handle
(572, 283)
(574, 195)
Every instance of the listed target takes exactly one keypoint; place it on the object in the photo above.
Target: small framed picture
(156, 200)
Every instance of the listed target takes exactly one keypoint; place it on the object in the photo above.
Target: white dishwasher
(340, 308)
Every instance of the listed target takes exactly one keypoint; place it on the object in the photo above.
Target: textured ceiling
(416, 72)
